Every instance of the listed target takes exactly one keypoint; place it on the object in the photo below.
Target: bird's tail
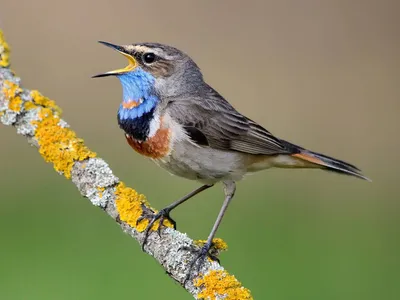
(328, 163)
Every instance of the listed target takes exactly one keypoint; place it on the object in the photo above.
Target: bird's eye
(149, 57)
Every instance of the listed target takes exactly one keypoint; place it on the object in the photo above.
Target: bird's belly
(202, 163)
(174, 152)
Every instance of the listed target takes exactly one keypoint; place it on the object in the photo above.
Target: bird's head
(155, 72)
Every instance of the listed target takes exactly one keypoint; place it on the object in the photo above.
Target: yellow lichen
(41, 100)
(11, 89)
(15, 104)
(217, 246)
(219, 283)
(29, 105)
(4, 52)
(217, 243)
(59, 145)
(129, 205)
(11, 92)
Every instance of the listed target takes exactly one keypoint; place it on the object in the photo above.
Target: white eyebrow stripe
(142, 49)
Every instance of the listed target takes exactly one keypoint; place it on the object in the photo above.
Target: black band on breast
(138, 128)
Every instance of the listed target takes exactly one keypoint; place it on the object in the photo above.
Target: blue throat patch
(137, 86)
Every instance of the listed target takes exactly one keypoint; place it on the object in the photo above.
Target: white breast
(155, 124)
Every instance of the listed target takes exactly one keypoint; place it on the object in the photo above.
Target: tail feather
(330, 163)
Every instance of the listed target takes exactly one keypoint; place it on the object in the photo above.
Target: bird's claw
(198, 261)
(162, 215)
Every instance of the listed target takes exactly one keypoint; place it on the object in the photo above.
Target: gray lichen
(95, 180)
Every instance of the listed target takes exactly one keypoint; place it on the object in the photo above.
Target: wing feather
(223, 127)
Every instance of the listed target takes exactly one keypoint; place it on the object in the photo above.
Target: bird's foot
(197, 262)
(161, 216)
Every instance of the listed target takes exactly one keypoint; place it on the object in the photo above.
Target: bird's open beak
(130, 67)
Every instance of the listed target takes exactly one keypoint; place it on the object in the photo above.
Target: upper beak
(130, 67)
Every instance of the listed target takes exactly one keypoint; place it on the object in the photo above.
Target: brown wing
(210, 120)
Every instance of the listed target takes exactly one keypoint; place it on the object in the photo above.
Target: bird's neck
(137, 110)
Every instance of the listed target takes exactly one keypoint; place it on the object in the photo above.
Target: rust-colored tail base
(330, 164)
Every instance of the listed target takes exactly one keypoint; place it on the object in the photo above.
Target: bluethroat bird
(171, 115)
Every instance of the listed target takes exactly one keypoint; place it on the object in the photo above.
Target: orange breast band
(132, 103)
(155, 147)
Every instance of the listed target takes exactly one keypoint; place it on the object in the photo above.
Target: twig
(39, 120)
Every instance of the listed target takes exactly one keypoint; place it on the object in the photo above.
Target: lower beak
(130, 67)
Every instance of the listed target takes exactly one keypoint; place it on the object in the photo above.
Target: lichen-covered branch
(39, 120)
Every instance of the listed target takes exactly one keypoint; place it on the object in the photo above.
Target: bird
(172, 116)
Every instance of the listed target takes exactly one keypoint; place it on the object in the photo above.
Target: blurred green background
(322, 74)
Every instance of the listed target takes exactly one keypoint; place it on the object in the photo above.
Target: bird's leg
(164, 213)
(229, 190)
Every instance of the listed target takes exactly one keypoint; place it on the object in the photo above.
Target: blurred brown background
(322, 74)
